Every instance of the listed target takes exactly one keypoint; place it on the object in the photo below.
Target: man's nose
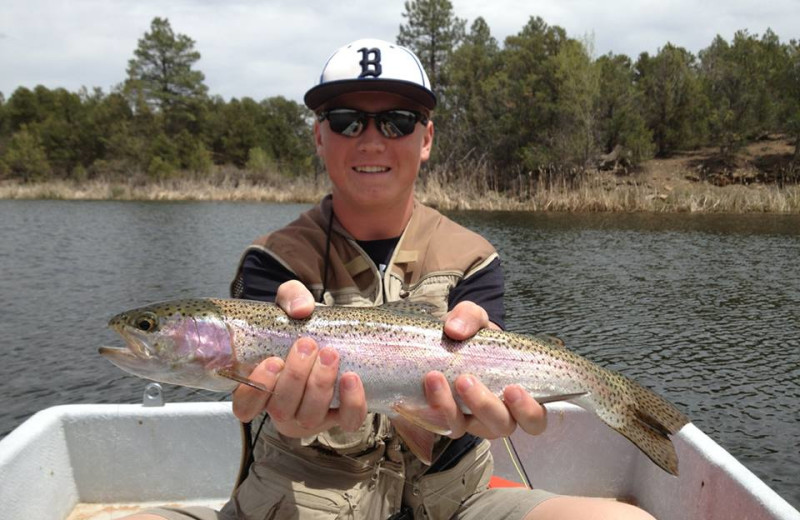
(371, 138)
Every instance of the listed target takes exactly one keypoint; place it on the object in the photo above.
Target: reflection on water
(704, 309)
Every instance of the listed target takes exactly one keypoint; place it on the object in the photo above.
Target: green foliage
(198, 159)
(789, 79)
(161, 71)
(25, 157)
(575, 137)
(528, 92)
(466, 115)
(674, 105)
(259, 161)
(432, 31)
(621, 123)
(738, 79)
(160, 169)
(531, 108)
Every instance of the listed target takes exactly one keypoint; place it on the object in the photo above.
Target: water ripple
(703, 309)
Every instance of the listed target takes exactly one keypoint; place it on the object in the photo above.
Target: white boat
(106, 461)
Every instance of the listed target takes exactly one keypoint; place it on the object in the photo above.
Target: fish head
(182, 342)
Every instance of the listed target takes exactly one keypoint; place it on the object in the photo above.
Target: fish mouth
(117, 353)
(136, 342)
(126, 360)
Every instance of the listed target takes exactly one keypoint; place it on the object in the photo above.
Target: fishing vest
(431, 257)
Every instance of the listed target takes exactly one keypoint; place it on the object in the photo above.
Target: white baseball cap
(372, 65)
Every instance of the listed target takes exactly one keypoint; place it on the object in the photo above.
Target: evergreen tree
(790, 96)
(621, 121)
(738, 88)
(674, 103)
(161, 70)
(26, 157)
(576, 133)
(527, 87)
(432, 31)
(470, 118)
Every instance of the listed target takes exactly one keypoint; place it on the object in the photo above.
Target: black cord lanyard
(327, 256)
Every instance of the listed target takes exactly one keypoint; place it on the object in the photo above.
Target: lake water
(705, 309)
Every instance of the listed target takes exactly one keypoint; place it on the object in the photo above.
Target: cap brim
(318, 95)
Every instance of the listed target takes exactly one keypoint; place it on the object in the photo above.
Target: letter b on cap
(370, 62)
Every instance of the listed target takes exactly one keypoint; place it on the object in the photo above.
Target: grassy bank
(600, 192)
(677, 184)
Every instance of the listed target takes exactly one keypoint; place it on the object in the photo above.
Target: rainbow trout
(215, 343)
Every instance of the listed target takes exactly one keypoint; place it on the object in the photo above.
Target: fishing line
(517, 462)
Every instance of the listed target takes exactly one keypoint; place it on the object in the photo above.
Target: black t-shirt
(262, 275)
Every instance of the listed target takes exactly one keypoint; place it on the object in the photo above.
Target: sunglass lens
(345, 122)
(396, 123)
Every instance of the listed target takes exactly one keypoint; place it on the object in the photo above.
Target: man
(369, 243)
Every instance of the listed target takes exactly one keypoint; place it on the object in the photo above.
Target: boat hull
(107, 460)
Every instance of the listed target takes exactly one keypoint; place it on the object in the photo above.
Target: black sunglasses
(391, 123)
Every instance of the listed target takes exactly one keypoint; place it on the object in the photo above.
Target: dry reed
(598, 192)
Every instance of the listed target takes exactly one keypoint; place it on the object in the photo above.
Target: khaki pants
(289, 480)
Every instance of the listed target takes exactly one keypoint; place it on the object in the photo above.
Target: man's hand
(491, 417)
(301, 386)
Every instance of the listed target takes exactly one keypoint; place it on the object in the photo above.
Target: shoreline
(690, 182)
(602, 192)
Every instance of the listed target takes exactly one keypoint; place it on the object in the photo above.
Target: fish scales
(215, 343)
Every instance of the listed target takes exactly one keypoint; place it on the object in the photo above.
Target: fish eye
(145, 322)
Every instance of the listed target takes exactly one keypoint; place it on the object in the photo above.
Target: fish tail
(648, 421)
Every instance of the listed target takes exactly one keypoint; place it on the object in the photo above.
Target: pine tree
(432, 31)
(162, 68)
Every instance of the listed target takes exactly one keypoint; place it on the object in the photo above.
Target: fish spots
(392, 352)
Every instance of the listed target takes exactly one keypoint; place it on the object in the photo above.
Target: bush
(26, 158)
(160, 169)
(259, 161)
(199, 160)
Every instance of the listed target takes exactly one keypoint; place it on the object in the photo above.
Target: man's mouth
(371, 169)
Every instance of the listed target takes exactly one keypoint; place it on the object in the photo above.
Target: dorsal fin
(550, 340)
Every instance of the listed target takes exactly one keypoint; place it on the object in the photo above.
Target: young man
(368, 243)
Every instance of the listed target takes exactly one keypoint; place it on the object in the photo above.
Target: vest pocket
(267, 495)
(442, 494)
(274, 491)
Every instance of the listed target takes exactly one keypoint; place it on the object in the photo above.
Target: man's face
(370, 170)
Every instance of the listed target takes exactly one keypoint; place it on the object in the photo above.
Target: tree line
(541, 104)
(160, 123)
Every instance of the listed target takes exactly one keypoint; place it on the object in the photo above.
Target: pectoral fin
(418, 427)
(229, 374)
(424, 417)
(419, 441)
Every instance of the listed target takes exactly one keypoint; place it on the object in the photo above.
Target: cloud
(277, 47)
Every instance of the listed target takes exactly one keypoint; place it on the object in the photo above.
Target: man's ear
(318, 138)
(427, 142)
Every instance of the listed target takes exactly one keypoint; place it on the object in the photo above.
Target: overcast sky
(277, 47)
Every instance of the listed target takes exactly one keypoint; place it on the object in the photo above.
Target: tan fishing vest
(432, 256)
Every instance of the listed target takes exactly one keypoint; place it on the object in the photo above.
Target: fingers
(530, 415)
(248, 402)
(313, 409)
(440, 398)
(291, 385)
(352, 402)
(465, 320)
(300, 405)
(490, 418)
(295, 299)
